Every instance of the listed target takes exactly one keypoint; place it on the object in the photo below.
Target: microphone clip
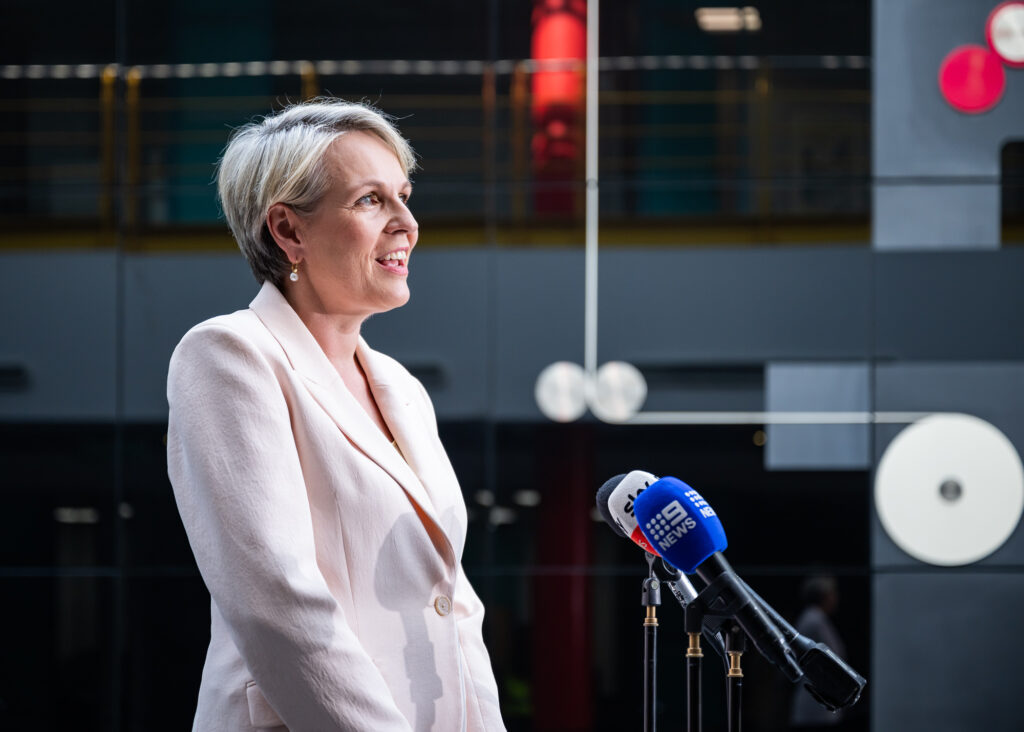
(651, 592)
(725, 599)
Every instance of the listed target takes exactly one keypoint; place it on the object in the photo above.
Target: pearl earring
(294, 276)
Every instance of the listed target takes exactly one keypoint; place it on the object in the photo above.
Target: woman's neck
(338, 336)
(337, 333)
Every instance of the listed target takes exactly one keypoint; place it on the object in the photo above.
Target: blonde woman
(321, 507)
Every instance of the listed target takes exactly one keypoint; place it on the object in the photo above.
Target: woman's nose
(402, 219)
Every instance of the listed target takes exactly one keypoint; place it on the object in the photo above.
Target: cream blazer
(338, 600)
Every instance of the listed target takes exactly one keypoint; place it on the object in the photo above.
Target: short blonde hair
(281, 159)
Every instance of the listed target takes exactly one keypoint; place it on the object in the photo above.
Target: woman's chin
(394, 299)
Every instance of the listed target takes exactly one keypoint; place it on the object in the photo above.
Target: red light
(972, 79)
(559, 33)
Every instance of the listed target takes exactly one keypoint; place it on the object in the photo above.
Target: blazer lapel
(395, 393)
(327, 387)
(400, 406)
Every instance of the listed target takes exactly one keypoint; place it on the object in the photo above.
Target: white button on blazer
(324, 548)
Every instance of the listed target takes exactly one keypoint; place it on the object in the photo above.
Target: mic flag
(615, 501)
(679, 523)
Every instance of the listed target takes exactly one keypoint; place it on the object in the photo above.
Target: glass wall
(114, 116)
(755, 137)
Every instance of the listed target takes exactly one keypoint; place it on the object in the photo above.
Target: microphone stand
(650, 599)
(693, 622)
(735, 645)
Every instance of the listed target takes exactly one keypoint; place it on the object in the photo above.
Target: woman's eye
(368, 200)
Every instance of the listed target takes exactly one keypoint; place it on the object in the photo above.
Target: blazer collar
(301, 348)
(325, 384)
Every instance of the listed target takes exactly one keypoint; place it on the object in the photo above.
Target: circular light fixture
(972, 79)
(559, 391)
(618, 393)
(1004, 30)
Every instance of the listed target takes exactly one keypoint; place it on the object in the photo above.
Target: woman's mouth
(395, 262)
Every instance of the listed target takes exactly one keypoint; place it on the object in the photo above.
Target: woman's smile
(396, 262)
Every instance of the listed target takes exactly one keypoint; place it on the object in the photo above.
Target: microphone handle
(801, 643)
(731, 597)
(830, 680)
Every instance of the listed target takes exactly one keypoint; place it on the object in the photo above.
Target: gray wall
(936, 170)
(481, 325)
(948, 335)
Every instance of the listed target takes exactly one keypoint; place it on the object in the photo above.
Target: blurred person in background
(325, 517)
(820, 598)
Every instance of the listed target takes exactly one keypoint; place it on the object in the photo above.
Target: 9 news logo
(669, 525)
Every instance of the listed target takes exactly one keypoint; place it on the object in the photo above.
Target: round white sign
(949, 489)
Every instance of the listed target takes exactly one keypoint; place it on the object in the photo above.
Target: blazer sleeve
(235, 471)
(481, 687)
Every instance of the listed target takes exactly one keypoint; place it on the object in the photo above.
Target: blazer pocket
(261, 714)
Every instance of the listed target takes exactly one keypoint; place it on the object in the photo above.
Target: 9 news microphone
(686, 531)
(615, 504)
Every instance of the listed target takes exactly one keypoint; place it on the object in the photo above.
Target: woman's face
(357, 241)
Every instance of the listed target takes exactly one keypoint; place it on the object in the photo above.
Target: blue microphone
(687, 532)
(675, 519)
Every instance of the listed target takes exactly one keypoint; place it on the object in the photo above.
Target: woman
(324, 515)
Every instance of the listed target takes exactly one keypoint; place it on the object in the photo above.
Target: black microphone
(828, 678)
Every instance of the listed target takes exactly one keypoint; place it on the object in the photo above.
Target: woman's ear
(283, 224)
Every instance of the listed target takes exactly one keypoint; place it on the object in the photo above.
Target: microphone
(829, 679)
(615, 504)
(615, 501)
(688, 534)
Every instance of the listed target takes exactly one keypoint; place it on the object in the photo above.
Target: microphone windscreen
(603, 494)
(620, 506)
(679, 523)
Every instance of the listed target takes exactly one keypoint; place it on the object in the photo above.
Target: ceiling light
(728, 20)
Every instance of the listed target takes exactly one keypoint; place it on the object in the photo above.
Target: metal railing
(720, 137)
